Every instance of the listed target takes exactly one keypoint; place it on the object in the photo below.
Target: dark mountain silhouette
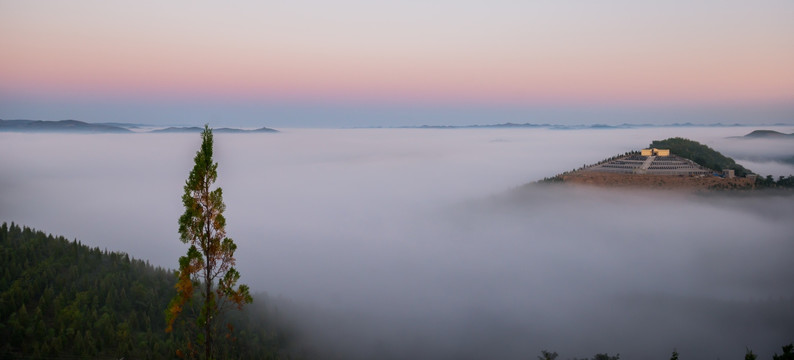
(768, 134)
(75, 126)
(72, 126)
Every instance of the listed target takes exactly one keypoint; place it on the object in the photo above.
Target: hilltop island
(674, 163)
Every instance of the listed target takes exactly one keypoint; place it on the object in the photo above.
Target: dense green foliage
(59, 298)
(701, 154)
(783, 182)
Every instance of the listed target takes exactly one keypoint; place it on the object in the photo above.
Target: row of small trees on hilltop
(786, 182)
(788, 354)
(547, 355)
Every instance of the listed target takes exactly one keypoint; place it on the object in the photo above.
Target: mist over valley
(425, 243)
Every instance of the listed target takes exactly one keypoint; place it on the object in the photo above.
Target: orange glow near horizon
(581, 66)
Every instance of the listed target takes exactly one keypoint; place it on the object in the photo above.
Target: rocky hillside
(657, 181)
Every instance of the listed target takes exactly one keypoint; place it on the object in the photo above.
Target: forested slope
(701, 154)
(62, 299)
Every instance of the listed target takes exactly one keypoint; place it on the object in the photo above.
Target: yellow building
(661, 152)
(655, 152)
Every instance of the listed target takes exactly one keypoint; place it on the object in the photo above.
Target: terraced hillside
(660, 169)
(656, 165)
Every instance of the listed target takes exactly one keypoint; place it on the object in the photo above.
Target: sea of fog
(420, 243)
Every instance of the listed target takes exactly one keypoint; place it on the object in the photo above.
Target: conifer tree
(674, 356)
(749, 355)
(209, 263)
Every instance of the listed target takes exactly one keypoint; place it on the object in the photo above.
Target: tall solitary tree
(209, 263)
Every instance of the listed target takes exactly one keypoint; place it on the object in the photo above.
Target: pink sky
(502, 52)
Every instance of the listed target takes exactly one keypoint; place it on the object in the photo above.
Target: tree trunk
(208, 324)
(207, 272)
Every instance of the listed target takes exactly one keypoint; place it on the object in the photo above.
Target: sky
(355, 63)
(421, 243)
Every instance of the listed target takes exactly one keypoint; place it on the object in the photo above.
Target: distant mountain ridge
(768, 134)
(75, 126)
(572, 127)
(195, 129)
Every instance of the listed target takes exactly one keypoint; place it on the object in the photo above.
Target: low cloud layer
(765, 156)
(420, 243)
